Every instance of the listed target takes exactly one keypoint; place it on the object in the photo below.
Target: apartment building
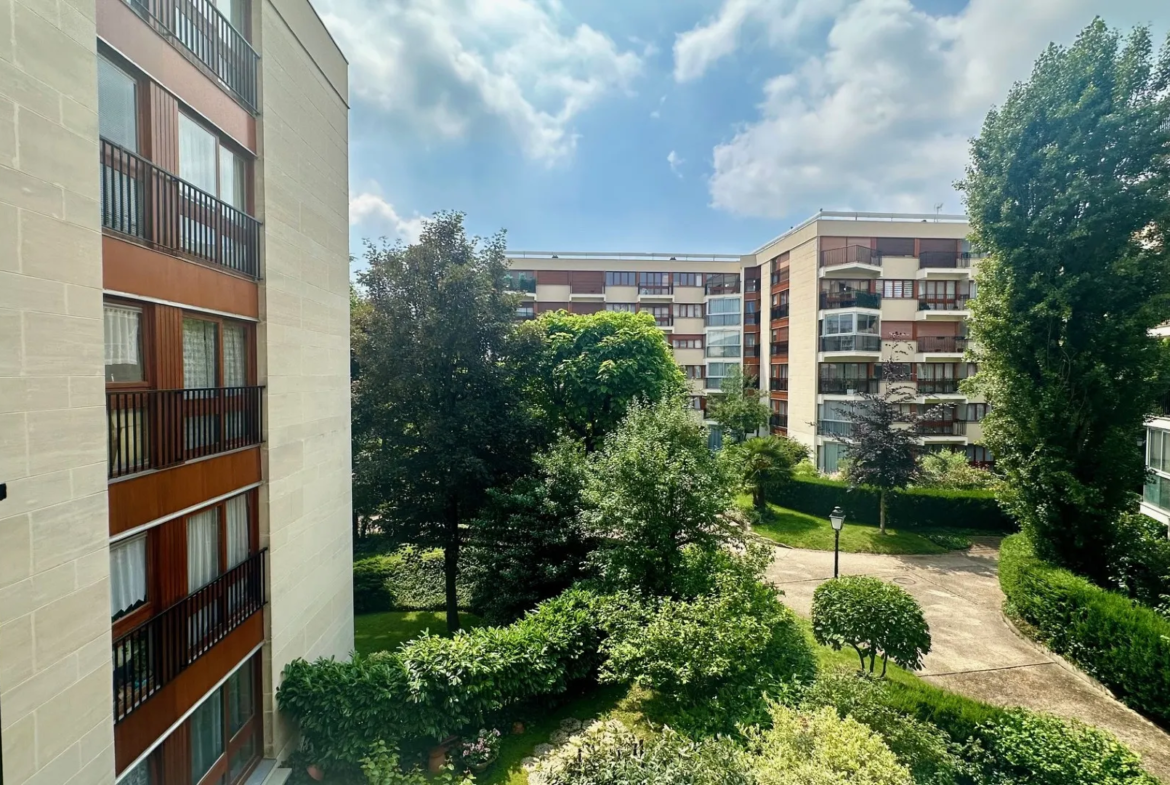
(174, 383)
(1156, 493)
(813, 314)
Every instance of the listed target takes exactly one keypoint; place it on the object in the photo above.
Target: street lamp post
(837, 519)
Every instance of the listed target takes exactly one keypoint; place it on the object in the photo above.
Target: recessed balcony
(851, 259)
(943, 309)
(938, 347)
(847, 386)
(850, 345)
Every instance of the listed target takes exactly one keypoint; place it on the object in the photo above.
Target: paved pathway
(975, 652)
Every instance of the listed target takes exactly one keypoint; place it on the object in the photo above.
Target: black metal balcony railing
(944, 259)
(778, 421)
(656, 290)
(664, 321)
(951, 344)
(145, 202)
(957, 303)
(851, 299)
(851, 343)
(779, 347)
(847, 386)
(152, 654)
(852, 254)
(752, 317)
(780, 277)
(751, 285)
(154, 429)
(834, 428)
(210, 38)
(780, 311)
(529, 285)
(938, 386)
(941, 428)
(778, 385)
(751, 351)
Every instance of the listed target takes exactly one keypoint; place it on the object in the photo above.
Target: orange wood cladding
(163, 111)
(128, 33)
(144, 726)
(148, 497)
(133, 269)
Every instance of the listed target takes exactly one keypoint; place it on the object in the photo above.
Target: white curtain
(202, 549)
(197, 155)
(127, 575)
(238, 530)
(122, 335)
(199, 353)
(235, 356)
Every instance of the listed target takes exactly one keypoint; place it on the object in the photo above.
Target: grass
(387, 631)
(797, 530)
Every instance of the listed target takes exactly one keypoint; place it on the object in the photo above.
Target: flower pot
(480, 768)
(315, 773)
(437, 759)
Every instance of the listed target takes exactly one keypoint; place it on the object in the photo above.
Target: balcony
(850, 300)
(847, 386)
(751, 285)
(778, 421)
(723, 351)
(850, 255)
(950, 306)
(722, 319)
(655, 291)
(156, 429)
(586, 289)
(778, 385)
(154, 653)
(941, 428)
(952, 260)
(752, 318)
(199, 28)
(751, 351)
(780, 277)
(942, 344)
(779, 347)
(834, 428)
(721, 283)
(938, 386)
(528, 285)
(851, 343)
(156, 208)
(664, 321)
(780, 311)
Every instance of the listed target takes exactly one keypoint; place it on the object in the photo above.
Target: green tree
(1068, 191)
(528, 544)
(950, 469)
(653, 488)
(736, 407)
(872, 616)
(765, 465)
(584, 370)
(440, 408)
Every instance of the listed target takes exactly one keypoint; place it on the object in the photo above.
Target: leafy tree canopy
(736, 407)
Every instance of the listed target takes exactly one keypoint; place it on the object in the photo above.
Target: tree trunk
(882, 512)
(451, 565)
(761, 502)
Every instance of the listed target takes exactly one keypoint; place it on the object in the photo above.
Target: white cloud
(370, 209)
(676, 162)
(699, 48)
(882, 117)
(449, 67)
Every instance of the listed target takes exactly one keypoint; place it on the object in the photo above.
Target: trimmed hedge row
(409, 579)
(1122, 644)
(432, 686)
(913, 508)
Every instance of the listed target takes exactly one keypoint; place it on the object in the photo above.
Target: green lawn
(798, 530)
(387, 631)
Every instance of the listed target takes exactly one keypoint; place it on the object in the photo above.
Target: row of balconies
(873, 300)
(862, 254)
(930, 344)
(923, 428)
(872, 385)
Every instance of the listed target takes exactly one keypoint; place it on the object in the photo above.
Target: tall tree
(882, 441)
(1068, 190)
(586, 369)
(737, 407)
(653, 488)
(438, 399)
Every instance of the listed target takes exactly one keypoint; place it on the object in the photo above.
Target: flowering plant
(482, 750)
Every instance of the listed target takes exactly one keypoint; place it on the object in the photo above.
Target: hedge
(433, 687)
(409, 579)
(913, 508)
(1124, 645)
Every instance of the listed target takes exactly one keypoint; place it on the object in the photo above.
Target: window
(139, 775)
(620, 279)
(976, 412)
(239, 530)
(722, 283)
(694, 371)
(696, 402)
(654, 283)
(123, 343)
(716, 372)
(233, 11)
(751, 339)
(198, 155)
(127, 576)
(117, 105)
(207, 743)
(688, 279)
(621, 307)
(846, 323)
(526, 311)
(686, 343)
(520, 280)
(751, 306)
(200, 353)
(1158, 449)
(688, 311)
(224, 729)
(898, 290)
(235, 355)
(977, 453)
(829, 455)
(232, 179)
(661, 314)
(723, 343)
(723, 312)
(202, 549)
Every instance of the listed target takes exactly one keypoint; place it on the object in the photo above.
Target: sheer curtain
(202, 549)
(123, 342)
(199, 353)
(235, 356)
(237, 530)
(127, 575)
(197, 154)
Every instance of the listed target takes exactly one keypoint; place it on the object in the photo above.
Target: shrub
(609, 753)
(913, 508)
(921, 747)
(409, 579)
(711, 659)
(1122, 644)
(1025, 748)
(821, 747)
(433, 686)
(381, 767)
(949, 469)
(1140, 563)
(874, 617)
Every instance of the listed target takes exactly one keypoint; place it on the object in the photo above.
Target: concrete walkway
(975, 652)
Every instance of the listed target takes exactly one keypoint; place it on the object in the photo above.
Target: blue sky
(676, 125)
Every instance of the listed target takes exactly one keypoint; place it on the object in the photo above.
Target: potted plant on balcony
(480, 752)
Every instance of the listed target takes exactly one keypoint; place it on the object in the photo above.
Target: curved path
(975, 651)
